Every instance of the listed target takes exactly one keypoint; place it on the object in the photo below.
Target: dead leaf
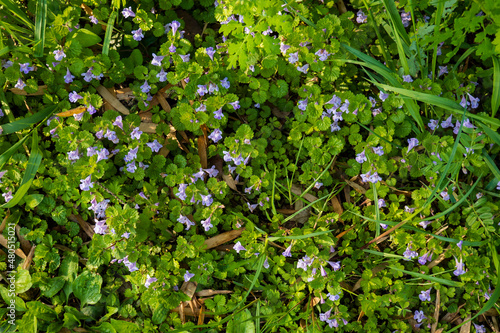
(87, 228)
(4, 243)
(27, 262)
(189, 288)
(41, 90)
(25, 245)
(202, 151)
(230, 181)
(436, 311)
(298, 191)
(4, 222)
(115, 103)
(466, 327)
(337, 207)
(163, 102)
(223, 238)
(211, 292)
(148, 127)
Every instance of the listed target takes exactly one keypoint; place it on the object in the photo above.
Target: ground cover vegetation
(250, 166)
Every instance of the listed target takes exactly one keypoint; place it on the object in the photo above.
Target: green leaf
(33, 164)
(125, 326)
(87, 287)
(241, 323)
(86, 37)
(23, 281)
(33, 200)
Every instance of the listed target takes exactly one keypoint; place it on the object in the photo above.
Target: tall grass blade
(40, 23)
(383, 47)
(23, 123)
(109, 31)
(437, 23)
(396, 21)
(430, 278)
(15, 11)
(463, 57)
(495, 96)
(33, 165)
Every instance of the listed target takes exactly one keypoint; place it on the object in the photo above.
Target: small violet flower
(238, 247)
(127, 12)
(425, 295)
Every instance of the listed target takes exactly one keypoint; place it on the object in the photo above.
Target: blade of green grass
(40, 23)
(377, 211)
(491, 164)
(442, 102)
(23, 123)
(14, 10)
(491, 133)
(109, 31)
(387, 58)
(463, 57)
(437, 23)
(30, 173)
(495, 96)
(394, 16)
(9, 152)
(385, 255)
(313, 234)
(430, 278)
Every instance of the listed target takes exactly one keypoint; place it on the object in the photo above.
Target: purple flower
(460, 269)
(235, 105)
(474, 101)
(73, 155)
(212, 87)
(498, 186)
(225, 83)
(381, 203)
(322, 54)
(406, 18)
(361, 157)
(383, 96)
(184, 220)
(137, 34)
(218, 114)
(479, 328)
(442, 70)
(445, 195)
(361, 17)
(419, 316)
(86, 184)
(162, 75)
(302, 105)
(216, 135)
(136, 133)
(413, 142)
(145, 88)
(172, 48)
(131, 155)
(425, 295)
(118, 122)
(175, 25)
(447, 123)
(303, 69)
(74, 97)
(251, 207)
(127, 12)
(424, 224)
(20, 84)
(425, 258)
(287, 252)
(305, 262)
(318, 185)
(378, 150)
(93, 19)
(7, 196)
(407, 78)
(131, 167)
(185, 58)
(212, 172)
(266, 264)
(155, 146)
(464, 102)
(182, 192)
(111, 135)
(88, 76)
(334, 297)
(25, 68)
(294, 57)
(149, 280)
(284, 47)
(202, 90)
(210, 52)
(459, 244)
(409, 254)
(335, 265)
(433, 124)
(100, 227)
(68, 78)
(157, 60)
(59, 55)
(2, 114)
(102, 154)
(206, 200)
(188, 276)
(238, 247)
(207, 224)
(409, 209)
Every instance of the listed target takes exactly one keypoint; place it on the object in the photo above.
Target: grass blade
(40, 23)
(437, 23)
(14, 10)
(396, 21)
(430, 278)
(377, 211)
(463, 57)
(495, 96)
(23, 123)
(109, 31)
(33, 165)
